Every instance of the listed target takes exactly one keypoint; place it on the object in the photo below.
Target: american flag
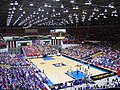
(35, 42)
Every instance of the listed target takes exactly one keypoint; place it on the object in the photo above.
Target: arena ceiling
(45, 13)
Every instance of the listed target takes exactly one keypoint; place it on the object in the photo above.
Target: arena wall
(4, 50)
(68, 45)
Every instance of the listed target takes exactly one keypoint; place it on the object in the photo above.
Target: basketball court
(60, 69)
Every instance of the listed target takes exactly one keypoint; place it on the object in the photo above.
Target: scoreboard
(24, 44)
(58, 33)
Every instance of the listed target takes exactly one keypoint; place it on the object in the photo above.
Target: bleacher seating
(108, 59)
(31, 51)
(47, 50)
(18, 74)
(80, 52)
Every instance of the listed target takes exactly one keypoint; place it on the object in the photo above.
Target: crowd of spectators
(31, 51)
(70, 40)
(19, 78)
(74, 83)
(7, 59)
(19, 74)
(47, 49)
(40, 50)
(81, 51)
(85, 84)
(7, 34)
(109, 58)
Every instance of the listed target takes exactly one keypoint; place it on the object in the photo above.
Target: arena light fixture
(9, 20)
(28, 17)
(42, 10)
(57, 0)
(8, 15)
(31, 4)
(83, 20)
(16, 3)
(96, 9)
(72, 1)
(37, 13)
(10, 8)
(77, 7)
(34, 12)
(70, 16)
(47, 13)
(93, 13)
(49, 6)
(62, 6)
(105, 10)
(76, 18)
(110, 6)
(46, 5)
(74, 14)
(53, 10)
(14, 8)
(9, 12)
(89, 19)
(104, 17)
(74, 7)
(101, 14)
(115, 11)
(12, 12)
(11, 3)
(31, 15)
(20, 8)
(51, 15)
(39, 9)
(66, 11)
(42, 15)
(96, 18)
(23, 12)
(16, 21)
(57, 13)
(21, 15)
(11, 15)
(88, 2)
(115, 15)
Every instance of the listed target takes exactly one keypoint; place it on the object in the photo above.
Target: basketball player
(77, 71)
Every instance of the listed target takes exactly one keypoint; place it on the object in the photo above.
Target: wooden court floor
(57, 74)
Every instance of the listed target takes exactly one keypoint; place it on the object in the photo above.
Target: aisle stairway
(97, 54)
(23, 51)
(30, 51)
